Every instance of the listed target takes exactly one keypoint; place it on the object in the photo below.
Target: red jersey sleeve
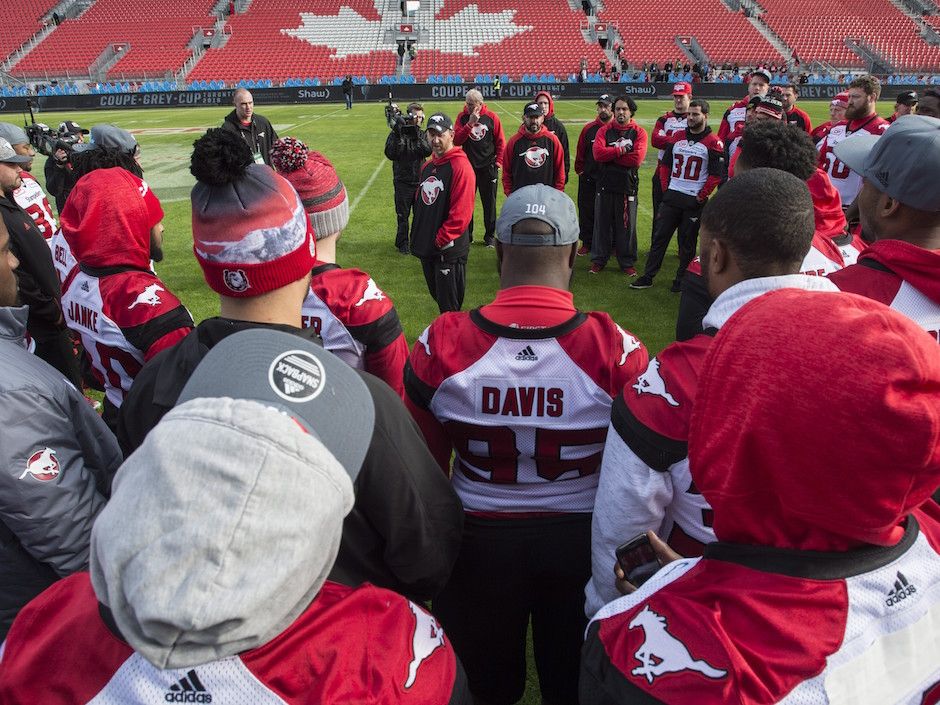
(579, 151)
(635, 158)
(603, 153)
(499, 140)
(507, 164)
(463, 187)
(660, 139)
(461, 130)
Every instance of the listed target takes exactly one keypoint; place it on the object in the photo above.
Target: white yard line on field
(375, 175)
(318, 117)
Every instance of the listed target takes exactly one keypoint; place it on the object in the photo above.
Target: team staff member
(758, 84)
(929, 103)
(905, 104)
(587, 169)
(59, 167)
(407, 147)
(694, 161)
(533, 155)
(795, 116)
(254, 129)
(521, 390)
(440, 229)
(554, 125)
(480, 133)
(619, 148)
(666, 126)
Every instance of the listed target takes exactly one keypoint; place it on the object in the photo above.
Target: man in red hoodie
(619, 148)
(533, 155)
(899, 207)
(480, 133)
(123, 313)
(440, 228)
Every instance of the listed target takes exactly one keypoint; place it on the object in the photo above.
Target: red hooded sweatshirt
(533, 159)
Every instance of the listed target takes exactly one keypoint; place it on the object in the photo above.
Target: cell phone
(637, 559)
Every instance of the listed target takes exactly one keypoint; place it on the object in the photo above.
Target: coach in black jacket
(255, 130)
(407, 147)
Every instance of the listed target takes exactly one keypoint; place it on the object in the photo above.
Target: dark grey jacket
(57, 460)
(259, 134)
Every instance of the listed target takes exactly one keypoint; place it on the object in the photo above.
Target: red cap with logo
(682, 88)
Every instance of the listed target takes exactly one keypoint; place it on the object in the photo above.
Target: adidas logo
(85, 286)
(902, 589)
(291, 387)
(188, 689)
(527, 353)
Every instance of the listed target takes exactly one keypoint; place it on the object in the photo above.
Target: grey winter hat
(109, 136)
(221, 529)
(9, 156)
(13, 133)
(904, 162)
(538, 202)
(296, 377)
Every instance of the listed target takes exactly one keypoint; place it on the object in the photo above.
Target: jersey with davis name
(357, 321)
(349, 646)
(693, 162)
(526, 410)
(847, 182)
(32, 199)
(124, 318)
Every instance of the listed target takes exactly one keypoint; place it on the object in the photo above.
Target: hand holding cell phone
(639, 559)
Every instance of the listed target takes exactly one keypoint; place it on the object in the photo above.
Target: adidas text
(188, 697)
(902, 590)
(527, 353)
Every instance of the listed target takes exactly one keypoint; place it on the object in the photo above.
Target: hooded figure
(555, 126)
(122, 311)
(821, 587)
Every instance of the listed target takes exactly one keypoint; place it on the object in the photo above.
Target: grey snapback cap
(108, 136)
(8, 155)
(904, 162)
(323, 394)
(538, 202)
(13, 133)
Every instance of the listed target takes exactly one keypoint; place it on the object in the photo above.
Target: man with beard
(255, 130)
(929, 104)
(795, 116)
(29, 196)
(836, 115)
(587, 169)
(904, 104)
(694, 161)
(620, 147)
(758, 84)
(860, 119)
(533, 155)
(666, 126)
(554, 125)
(480, 133)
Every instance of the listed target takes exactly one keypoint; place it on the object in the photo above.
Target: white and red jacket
(693, 163)
(483, 141)
(900, 275)
(521, 391)
(645, 482)
(357, 322)
(844, 179)
(666, 126)
(733, 115)
(32, 199)
(350, 646)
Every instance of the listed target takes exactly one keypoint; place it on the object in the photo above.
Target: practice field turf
(354, 142)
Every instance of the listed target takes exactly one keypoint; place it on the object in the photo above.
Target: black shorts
(510, 570)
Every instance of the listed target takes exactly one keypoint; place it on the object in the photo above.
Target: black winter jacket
(407, 148)
(259, 135)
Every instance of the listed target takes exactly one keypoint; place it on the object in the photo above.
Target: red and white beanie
(323, 194)
(250, 232)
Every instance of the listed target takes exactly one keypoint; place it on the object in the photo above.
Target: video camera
(396, 119)
(45, 140)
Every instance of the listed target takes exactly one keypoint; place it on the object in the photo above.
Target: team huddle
(285, 503)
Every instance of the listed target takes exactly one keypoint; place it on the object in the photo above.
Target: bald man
(255, 129)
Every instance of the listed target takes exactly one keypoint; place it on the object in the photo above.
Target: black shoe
(489, 241)
(676, 286)
(644, 282)
(403, 250)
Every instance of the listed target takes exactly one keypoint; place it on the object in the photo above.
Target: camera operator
(58, 147)
(407, 147)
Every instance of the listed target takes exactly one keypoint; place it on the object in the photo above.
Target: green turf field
(354, 141)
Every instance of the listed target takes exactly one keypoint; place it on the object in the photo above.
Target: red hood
(918, 267)
(614, 125)
(107, 221)
(449, 156)
(551, 102)
(827, 205)
(541, 133)
(790, 455)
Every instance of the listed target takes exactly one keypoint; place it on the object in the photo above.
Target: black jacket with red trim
(483, 142)
(443, 206)
(533, 159)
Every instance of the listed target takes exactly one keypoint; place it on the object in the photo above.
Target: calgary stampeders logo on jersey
(478, 131)
(42, 465)
(431, 188)
(535, 156)
(625, 143)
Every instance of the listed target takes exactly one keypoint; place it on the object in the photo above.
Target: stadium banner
(414, 92)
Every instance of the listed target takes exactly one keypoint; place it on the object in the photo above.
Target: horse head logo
(662, 653)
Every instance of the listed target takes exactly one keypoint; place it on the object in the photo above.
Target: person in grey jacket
(57, 460)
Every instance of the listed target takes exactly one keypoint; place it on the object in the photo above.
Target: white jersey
(847, 182)
(31, 198)
(62, 257)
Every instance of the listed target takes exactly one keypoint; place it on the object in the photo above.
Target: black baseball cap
(439, 122)
(907, 98)
(605, 99)
(71, 128)
(532, 110)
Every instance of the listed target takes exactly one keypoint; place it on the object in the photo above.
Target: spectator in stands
(59, 165)
(347, 86)
(407, 146)
(533, 155)
(645, 481)
(507, 388)
(58, 459)
(694, 162)
(899, 208)
(29, 196)
(795, 116)
(929, 104)
(497, 87)
(401, 53)
(800, 598)
(356, 319)
(588, 170)
(36, 275)
(904, 104)
(254, 485)
(860, 118)
(836, 115)
(404, 531)
(480, 133)
(619, 147)
(545, 101)
(254, 129)
(758, 84)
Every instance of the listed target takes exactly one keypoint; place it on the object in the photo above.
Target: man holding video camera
(58, 147)
(407, 147)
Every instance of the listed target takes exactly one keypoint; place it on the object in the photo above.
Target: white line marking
(318, 117)
(375, 175)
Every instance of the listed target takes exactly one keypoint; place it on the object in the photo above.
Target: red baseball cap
(682, 88)
(841, 99)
